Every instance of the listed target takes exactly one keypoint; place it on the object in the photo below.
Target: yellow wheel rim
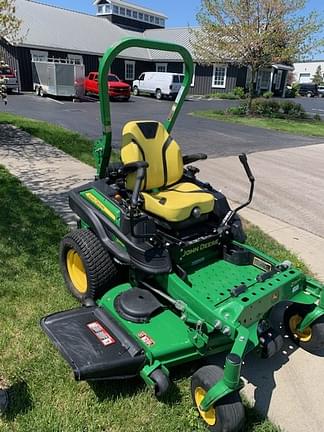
(209, 416)
(303, 336)
(76, 271)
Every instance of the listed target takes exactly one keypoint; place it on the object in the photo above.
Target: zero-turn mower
(160, 265)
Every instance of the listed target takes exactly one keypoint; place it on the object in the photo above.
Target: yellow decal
(100, 205)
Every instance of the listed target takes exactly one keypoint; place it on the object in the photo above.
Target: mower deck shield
(93, 344)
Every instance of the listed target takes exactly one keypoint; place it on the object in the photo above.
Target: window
(135, 14)
(39, 56)
(146, 17)
(304, 78)
(129, 70)
(129, 12)
(161, 67)
(142, 77)
(140, 15)
(116, 10)
(219, 76)
(151, 19)
(193, 76)
(113, 78)
(76, 58)
(157, 20)
(100, 9)
(108, 8)
(265, 79)
(162, 22)
(122, 11)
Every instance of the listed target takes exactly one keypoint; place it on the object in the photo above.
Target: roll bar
(102, 147)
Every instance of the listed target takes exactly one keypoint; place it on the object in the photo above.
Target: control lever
(229, 216)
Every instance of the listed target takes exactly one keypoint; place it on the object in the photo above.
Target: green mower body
(157, 294)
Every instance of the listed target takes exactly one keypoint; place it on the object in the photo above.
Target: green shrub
(265, 107)
(268, 94)
(239, 91)
(240, 110)
(292, 109)
(229, 95)
(317, 117)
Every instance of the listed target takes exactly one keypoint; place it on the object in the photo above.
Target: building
(304, 71)
(49, 31)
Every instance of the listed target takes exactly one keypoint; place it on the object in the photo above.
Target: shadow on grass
(114, 390)
(20, 401)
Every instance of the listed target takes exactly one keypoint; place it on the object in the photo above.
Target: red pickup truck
(9, 74)
(117, 89)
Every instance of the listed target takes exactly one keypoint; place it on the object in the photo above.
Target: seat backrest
(151, 142)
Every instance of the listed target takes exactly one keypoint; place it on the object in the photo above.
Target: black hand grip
(140, 174)
(244, 162)
(194, 158)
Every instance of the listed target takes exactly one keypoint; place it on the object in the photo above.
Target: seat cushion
(176, 203)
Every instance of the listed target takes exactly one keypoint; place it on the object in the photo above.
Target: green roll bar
(102, 147)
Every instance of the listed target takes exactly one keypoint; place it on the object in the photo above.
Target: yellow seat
(163, 195)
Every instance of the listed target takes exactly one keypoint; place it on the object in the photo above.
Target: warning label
(101, 333)
(146, 339)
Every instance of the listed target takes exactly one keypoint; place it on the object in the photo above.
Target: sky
(180, 13)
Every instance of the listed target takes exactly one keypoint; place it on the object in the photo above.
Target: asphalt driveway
(215, 138)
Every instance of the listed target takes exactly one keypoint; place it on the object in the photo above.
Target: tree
(254, 33)
(318, 77)
(9, 23)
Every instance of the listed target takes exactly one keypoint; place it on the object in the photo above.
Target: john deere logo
(200, 247)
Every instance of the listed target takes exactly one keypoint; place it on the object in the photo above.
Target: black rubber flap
(137, 305)
(93, 344)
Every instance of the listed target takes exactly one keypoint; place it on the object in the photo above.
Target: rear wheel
(88, 269)
(311, 339)
(227, 414)
(158, 94)
(135, 91)
(41, 92)
(37, 91)
(309, 94)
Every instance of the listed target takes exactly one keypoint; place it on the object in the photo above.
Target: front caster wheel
(311, 339)
(88, 269)
(162, 383)
(227, 414)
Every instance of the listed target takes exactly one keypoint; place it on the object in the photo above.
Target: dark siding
(241, 77)
(203, 80)
(278, 92)
(25, 69)
(91, 63)
(131, 24)
(175, 67)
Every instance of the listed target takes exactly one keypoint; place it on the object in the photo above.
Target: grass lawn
(70, 142)
(297, 127)
(45, 397)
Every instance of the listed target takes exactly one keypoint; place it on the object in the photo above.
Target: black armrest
(134, 166)
(187, 159)
(140, 168)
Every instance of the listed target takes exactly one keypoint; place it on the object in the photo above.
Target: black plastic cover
(93, 344)
(137, 305)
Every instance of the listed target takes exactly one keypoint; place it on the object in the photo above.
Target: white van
(159, 84)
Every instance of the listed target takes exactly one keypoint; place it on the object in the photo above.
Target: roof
(134, 6)
(51, 27)
(178, 35)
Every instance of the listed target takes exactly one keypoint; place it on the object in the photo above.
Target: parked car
(117, 89)
(321, 90)
(160, 84)
(9, 74)
(308, 89)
